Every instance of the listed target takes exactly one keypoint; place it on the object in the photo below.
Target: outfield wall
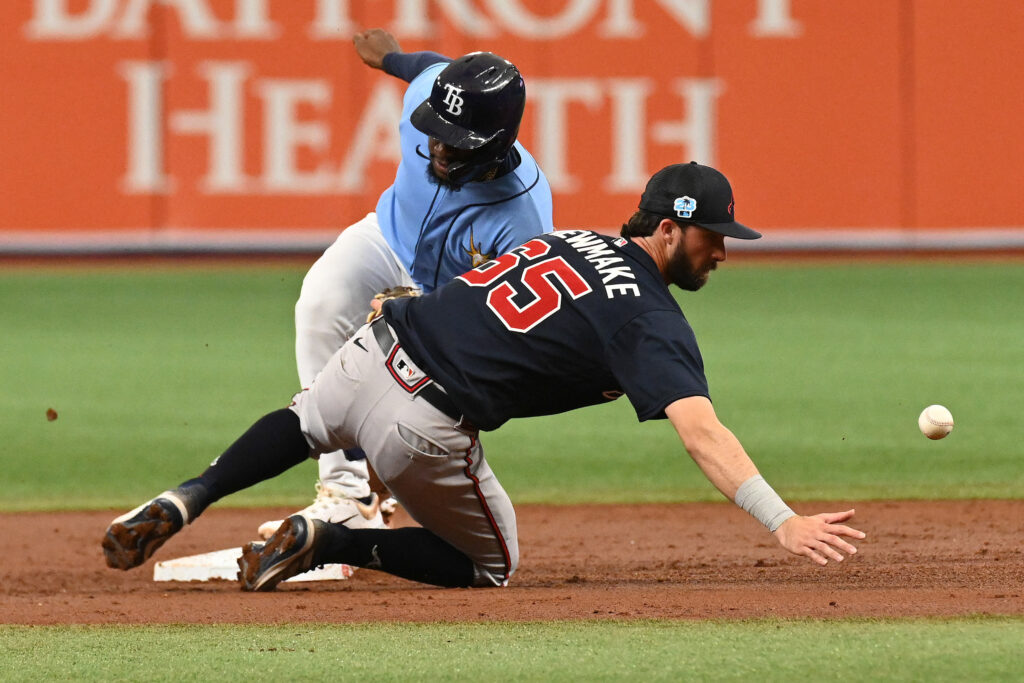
(145, 125)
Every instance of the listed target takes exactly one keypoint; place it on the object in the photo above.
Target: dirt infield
(691, 561)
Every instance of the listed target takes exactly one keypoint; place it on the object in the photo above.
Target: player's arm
(380, 50)
(503, 233)
(725, 463)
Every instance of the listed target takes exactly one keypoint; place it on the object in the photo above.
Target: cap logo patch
(685, 206)
(452, 100)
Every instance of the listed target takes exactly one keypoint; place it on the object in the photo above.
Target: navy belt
(429, 392)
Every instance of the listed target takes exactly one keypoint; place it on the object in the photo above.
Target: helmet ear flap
(487, 158)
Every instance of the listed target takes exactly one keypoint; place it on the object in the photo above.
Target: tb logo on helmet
(452, 99)
(685, 206)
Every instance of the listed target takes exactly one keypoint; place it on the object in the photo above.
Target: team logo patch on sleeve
(475, 251)
(685, 206)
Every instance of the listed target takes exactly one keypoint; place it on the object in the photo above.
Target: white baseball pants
(333, 304)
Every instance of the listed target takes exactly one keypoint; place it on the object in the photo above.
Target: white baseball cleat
(333, 505)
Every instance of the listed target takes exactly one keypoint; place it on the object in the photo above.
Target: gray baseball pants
(371, 395)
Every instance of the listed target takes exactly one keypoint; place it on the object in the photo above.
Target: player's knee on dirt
(494, 574)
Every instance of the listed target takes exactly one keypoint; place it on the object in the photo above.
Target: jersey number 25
(538, 278)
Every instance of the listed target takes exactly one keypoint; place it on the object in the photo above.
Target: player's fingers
(843, 530)
(833, 517)
(829, 551)
(837, 542)
(809, 552)
(834, 545)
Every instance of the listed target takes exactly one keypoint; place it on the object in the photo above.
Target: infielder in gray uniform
(566, 320)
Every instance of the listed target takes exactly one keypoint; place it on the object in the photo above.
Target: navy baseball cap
(691, 193)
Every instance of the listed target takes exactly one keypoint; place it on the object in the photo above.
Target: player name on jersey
(609, 266)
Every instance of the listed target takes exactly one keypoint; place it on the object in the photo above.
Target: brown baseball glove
(389, 294)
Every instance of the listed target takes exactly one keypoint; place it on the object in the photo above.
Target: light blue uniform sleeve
(513, 223)
(402, 207)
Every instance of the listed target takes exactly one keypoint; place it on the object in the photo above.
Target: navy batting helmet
(476, 104)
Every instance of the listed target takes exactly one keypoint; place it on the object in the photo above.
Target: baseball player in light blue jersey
(465, 192)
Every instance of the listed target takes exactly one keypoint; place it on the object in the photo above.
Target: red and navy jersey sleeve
(656, 360)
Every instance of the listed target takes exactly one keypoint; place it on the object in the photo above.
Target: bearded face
(698, 253)
(684, 275)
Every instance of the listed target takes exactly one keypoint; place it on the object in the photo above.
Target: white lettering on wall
(696, 132)
(774, 20)
(252, 21)
(222, 124)
(375, 137)
(412, 19)
(520, 21)
(333, 20)
(621, 22)
(552, 97)
(284, 135)
(145, 167)
(630, 134)
(629, 131)
(295, 151)
(197, 20)
(130, 20)
(53, 20)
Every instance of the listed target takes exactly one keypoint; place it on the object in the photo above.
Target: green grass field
(769, 650)
(821, 372)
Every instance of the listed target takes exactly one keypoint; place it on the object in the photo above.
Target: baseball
(936, 422)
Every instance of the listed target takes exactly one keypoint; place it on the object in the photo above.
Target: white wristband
(760, 500)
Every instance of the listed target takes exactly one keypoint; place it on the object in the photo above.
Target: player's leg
(442, 479)
(333, 303)
(272, 445)
(276, 442)
(436, 471)
(336, 291)
(468, 537)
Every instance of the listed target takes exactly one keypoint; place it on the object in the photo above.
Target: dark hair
(643, 224)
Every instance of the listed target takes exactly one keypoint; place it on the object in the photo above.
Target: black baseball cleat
(132, 538)
(288, 552)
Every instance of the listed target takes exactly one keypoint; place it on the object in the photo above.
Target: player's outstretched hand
(373, 44)
(818, 537)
